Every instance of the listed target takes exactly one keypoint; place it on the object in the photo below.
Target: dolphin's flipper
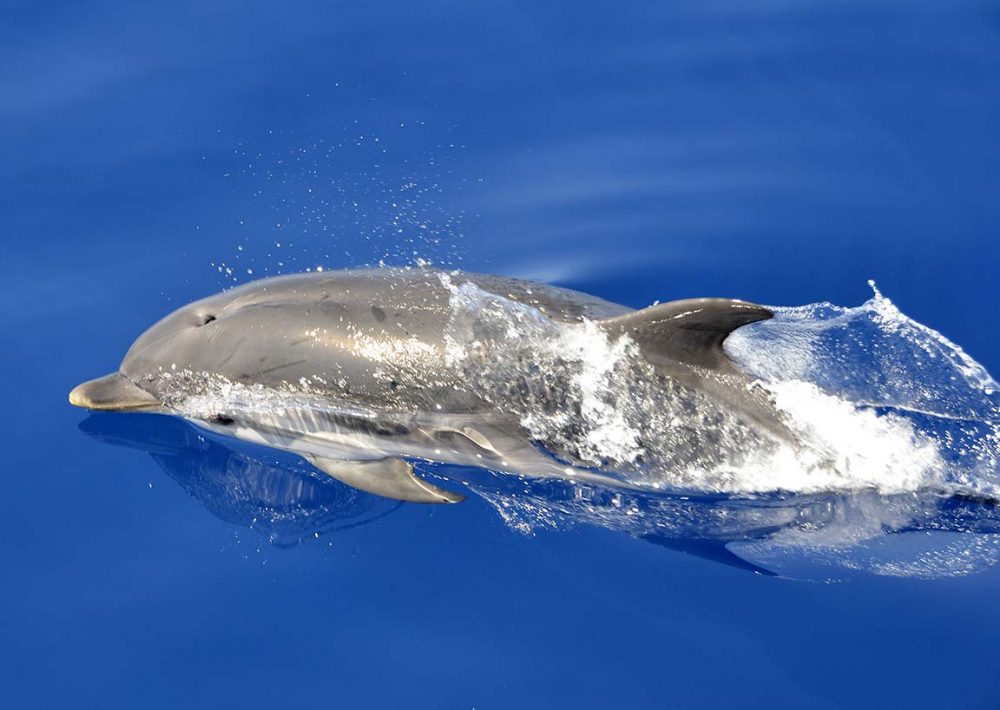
(389, 478)
(690, 332)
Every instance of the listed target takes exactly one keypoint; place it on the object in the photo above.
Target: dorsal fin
(690, 332)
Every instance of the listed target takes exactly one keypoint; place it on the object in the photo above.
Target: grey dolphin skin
(365, 358)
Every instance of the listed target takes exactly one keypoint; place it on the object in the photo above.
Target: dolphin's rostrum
(359, 370)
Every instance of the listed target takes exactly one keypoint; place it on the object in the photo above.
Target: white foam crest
(848, 448)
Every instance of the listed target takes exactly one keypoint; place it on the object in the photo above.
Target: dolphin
(361, 371)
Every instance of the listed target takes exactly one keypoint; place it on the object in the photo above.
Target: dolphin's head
(188, 339)
(270, 332)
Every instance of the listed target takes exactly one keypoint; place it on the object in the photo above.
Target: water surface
(783, 154)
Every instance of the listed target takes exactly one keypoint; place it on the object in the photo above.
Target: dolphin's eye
(206, 319)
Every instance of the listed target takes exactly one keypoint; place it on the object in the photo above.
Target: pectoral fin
(389, 478)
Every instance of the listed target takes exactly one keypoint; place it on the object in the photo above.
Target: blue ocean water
(784, 153)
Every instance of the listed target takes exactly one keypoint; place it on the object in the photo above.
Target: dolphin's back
(418, 290)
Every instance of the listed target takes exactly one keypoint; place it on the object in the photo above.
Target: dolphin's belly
(365, 435)
(495, 443)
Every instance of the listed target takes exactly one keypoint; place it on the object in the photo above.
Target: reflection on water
(923, 534)
(277, 495)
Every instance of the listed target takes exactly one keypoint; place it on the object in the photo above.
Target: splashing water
(899, 405)
(879, 401)
(899, 478)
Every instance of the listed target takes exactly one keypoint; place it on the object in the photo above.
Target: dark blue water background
(778, 152)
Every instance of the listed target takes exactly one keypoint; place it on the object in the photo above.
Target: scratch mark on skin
(232, 354)
(269, 370)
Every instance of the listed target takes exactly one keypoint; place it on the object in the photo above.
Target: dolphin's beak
(113, 392)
